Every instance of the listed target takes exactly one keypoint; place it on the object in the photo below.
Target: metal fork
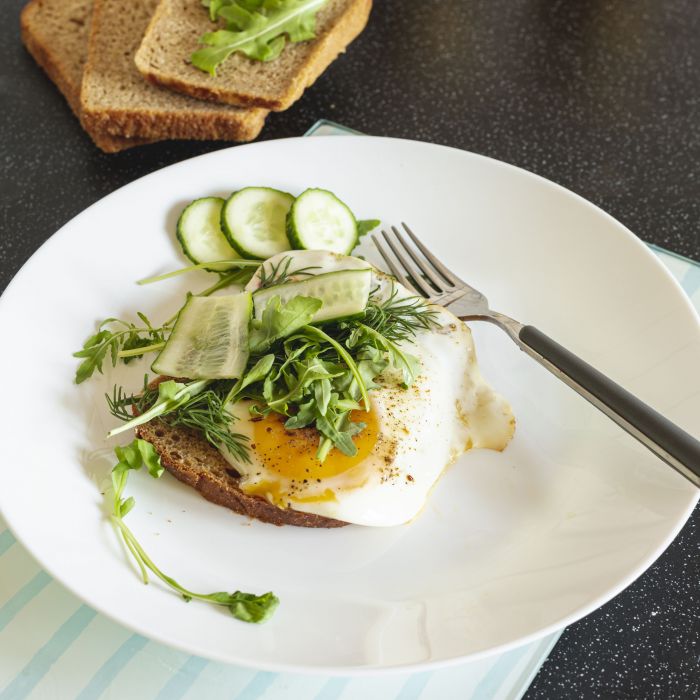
(415, 267)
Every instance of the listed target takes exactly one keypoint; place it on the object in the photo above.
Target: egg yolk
(291, 455)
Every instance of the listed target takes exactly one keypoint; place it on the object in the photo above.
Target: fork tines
(422, 273)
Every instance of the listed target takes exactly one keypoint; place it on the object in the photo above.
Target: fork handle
(665, 439)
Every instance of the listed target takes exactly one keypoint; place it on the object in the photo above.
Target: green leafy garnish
(281, 320)
(200, 405)
(170, 396)
(345, 357)
(114, 336)
(318, 376)
(243, 606)
(257, 373)
(125, 341)
(258, 30)
(279, 273)
(243, 274)
(364, 226)
(313, 377)
(407, 363)
(398, 319)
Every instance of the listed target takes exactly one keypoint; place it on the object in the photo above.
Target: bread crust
(323, 51)
(180, 122)
(192, 460)
(51, 63)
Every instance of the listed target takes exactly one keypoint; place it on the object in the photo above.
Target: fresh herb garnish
(312, 376)
(125, 341)
(258, 29)
(114, 336)
(399, 319)
(199, 405)
(405, 362)
(281, 320)
(364, 226)
(244, 606)
(279, 273)
(246, 271)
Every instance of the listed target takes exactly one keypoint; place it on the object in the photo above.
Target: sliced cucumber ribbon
(344, 293)
(209, 340)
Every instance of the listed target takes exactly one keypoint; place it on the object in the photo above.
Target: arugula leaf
(345, 356)
(309, 372)
(214, 7)
(259, 30)
(281, 320)
(408, 364)
(256, 373)
(306, 415)
(340, 432)
(253, 608)
(94, 351)
(322, 394)
(114, 336)
(364, 226)
(371, 364)
(243, 606)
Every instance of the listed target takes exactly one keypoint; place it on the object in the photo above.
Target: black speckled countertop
(601, 96)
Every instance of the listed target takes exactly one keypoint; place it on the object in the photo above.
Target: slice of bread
(55, 33)
(173, 35)
(116, 99)
(192, 460)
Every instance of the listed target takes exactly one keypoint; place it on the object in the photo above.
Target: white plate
(510, 546)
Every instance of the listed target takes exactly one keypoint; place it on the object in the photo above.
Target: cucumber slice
(254, 221)
(209, 340)
(343, 293)
(200, 235)
(318, 220)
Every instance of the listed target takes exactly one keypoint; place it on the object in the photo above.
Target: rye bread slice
(192, 460)
(55, 32)
(116, 99)
(173, 35)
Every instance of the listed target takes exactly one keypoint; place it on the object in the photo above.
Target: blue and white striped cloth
(53, 646)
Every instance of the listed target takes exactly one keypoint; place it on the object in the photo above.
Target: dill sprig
(121, 405)
(280, 273)
(399, 320)
(204, 412)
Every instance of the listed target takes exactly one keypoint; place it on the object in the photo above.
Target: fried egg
(411, 434)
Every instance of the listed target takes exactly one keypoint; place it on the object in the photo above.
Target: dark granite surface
(600, 96)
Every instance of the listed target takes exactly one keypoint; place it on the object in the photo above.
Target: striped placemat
(53, 646)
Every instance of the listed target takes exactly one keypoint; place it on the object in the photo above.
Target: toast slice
(55, 32)
(117, 100)
(173, 34)
(191, 459)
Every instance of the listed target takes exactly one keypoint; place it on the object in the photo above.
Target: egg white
(420, 430)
